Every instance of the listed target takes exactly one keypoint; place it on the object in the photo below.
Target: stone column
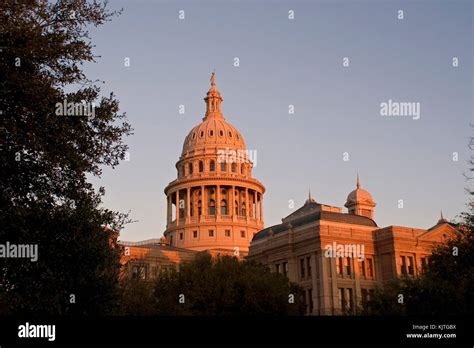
(231, 202)
(255, 208)
(188, 204)
(203, 201)
(177, 207)
(314, 282)
(324, 296)
(260, 202)
(218, 201)
(170, 212)
(247, 203)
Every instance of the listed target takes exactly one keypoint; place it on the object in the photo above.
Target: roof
(316, 216)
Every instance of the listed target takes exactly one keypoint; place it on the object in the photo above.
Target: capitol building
(215, 205)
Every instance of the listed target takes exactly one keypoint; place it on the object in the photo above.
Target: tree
(48, 152)
(225, 286)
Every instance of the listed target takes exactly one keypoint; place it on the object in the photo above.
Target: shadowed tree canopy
(225, 286)
(45, 197)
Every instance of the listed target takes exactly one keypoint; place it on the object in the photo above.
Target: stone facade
(365, 256)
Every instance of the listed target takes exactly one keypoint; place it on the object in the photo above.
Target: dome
(213, 131)
(359, 195)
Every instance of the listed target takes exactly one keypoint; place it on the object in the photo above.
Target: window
(190, 168)
(285, 268)
(424, 264)
(342, 298)
(223, 167)
(348, 266)
(308, 265)
(227, 233)
(370, 267)
(212, 166)
(211, 233)
(230, 134)
(310, 300)
(202, 134)
(350, 298)
(244, 211)
(171, 240)
(199, 208)
(339, 266)
(221, 133)
(201, 166)
(277, 268)
(302, 268)
(223, 207)
(411, 266)
(212, 207)
(139, 272)
(242, 169)
(211, 133)
(362, 268)
(195, 234)
(365, 296)
(403, 265)
(242, 234)
(181, 236)
(236, 205)
(234, 167)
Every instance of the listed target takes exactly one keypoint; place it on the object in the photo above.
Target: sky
(299, 62)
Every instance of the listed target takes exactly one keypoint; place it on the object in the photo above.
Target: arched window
(212, 166)
(201, 166)
(212, 207)
(190, 168)
(244, 211)
(223, 207)
(199, 208)
(223, 167)
(191, 208)
(236, 205)
(234, 167)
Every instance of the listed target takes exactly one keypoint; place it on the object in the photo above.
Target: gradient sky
(299, 62)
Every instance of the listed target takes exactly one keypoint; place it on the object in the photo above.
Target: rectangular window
(362, 269)
(411, 266)
(403, 265)
(302, 269)
(211, 233)
(285, 268)
(365, 296)
(310, 300)
(342, 298)
(350, 299)
(195, 234)
(424, 264)
(348, 266)
(339, 266)
(139, 272)
(370, 267)
(227, 233)
(223, 167)
(181, 236)
(277, 268)
(242, 234)
(308, 265)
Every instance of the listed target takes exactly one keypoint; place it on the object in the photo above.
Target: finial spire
(213, 78)
(442, 218)
(309, 195)
(358, 181)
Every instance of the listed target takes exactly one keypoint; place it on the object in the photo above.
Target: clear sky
(297, 62)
